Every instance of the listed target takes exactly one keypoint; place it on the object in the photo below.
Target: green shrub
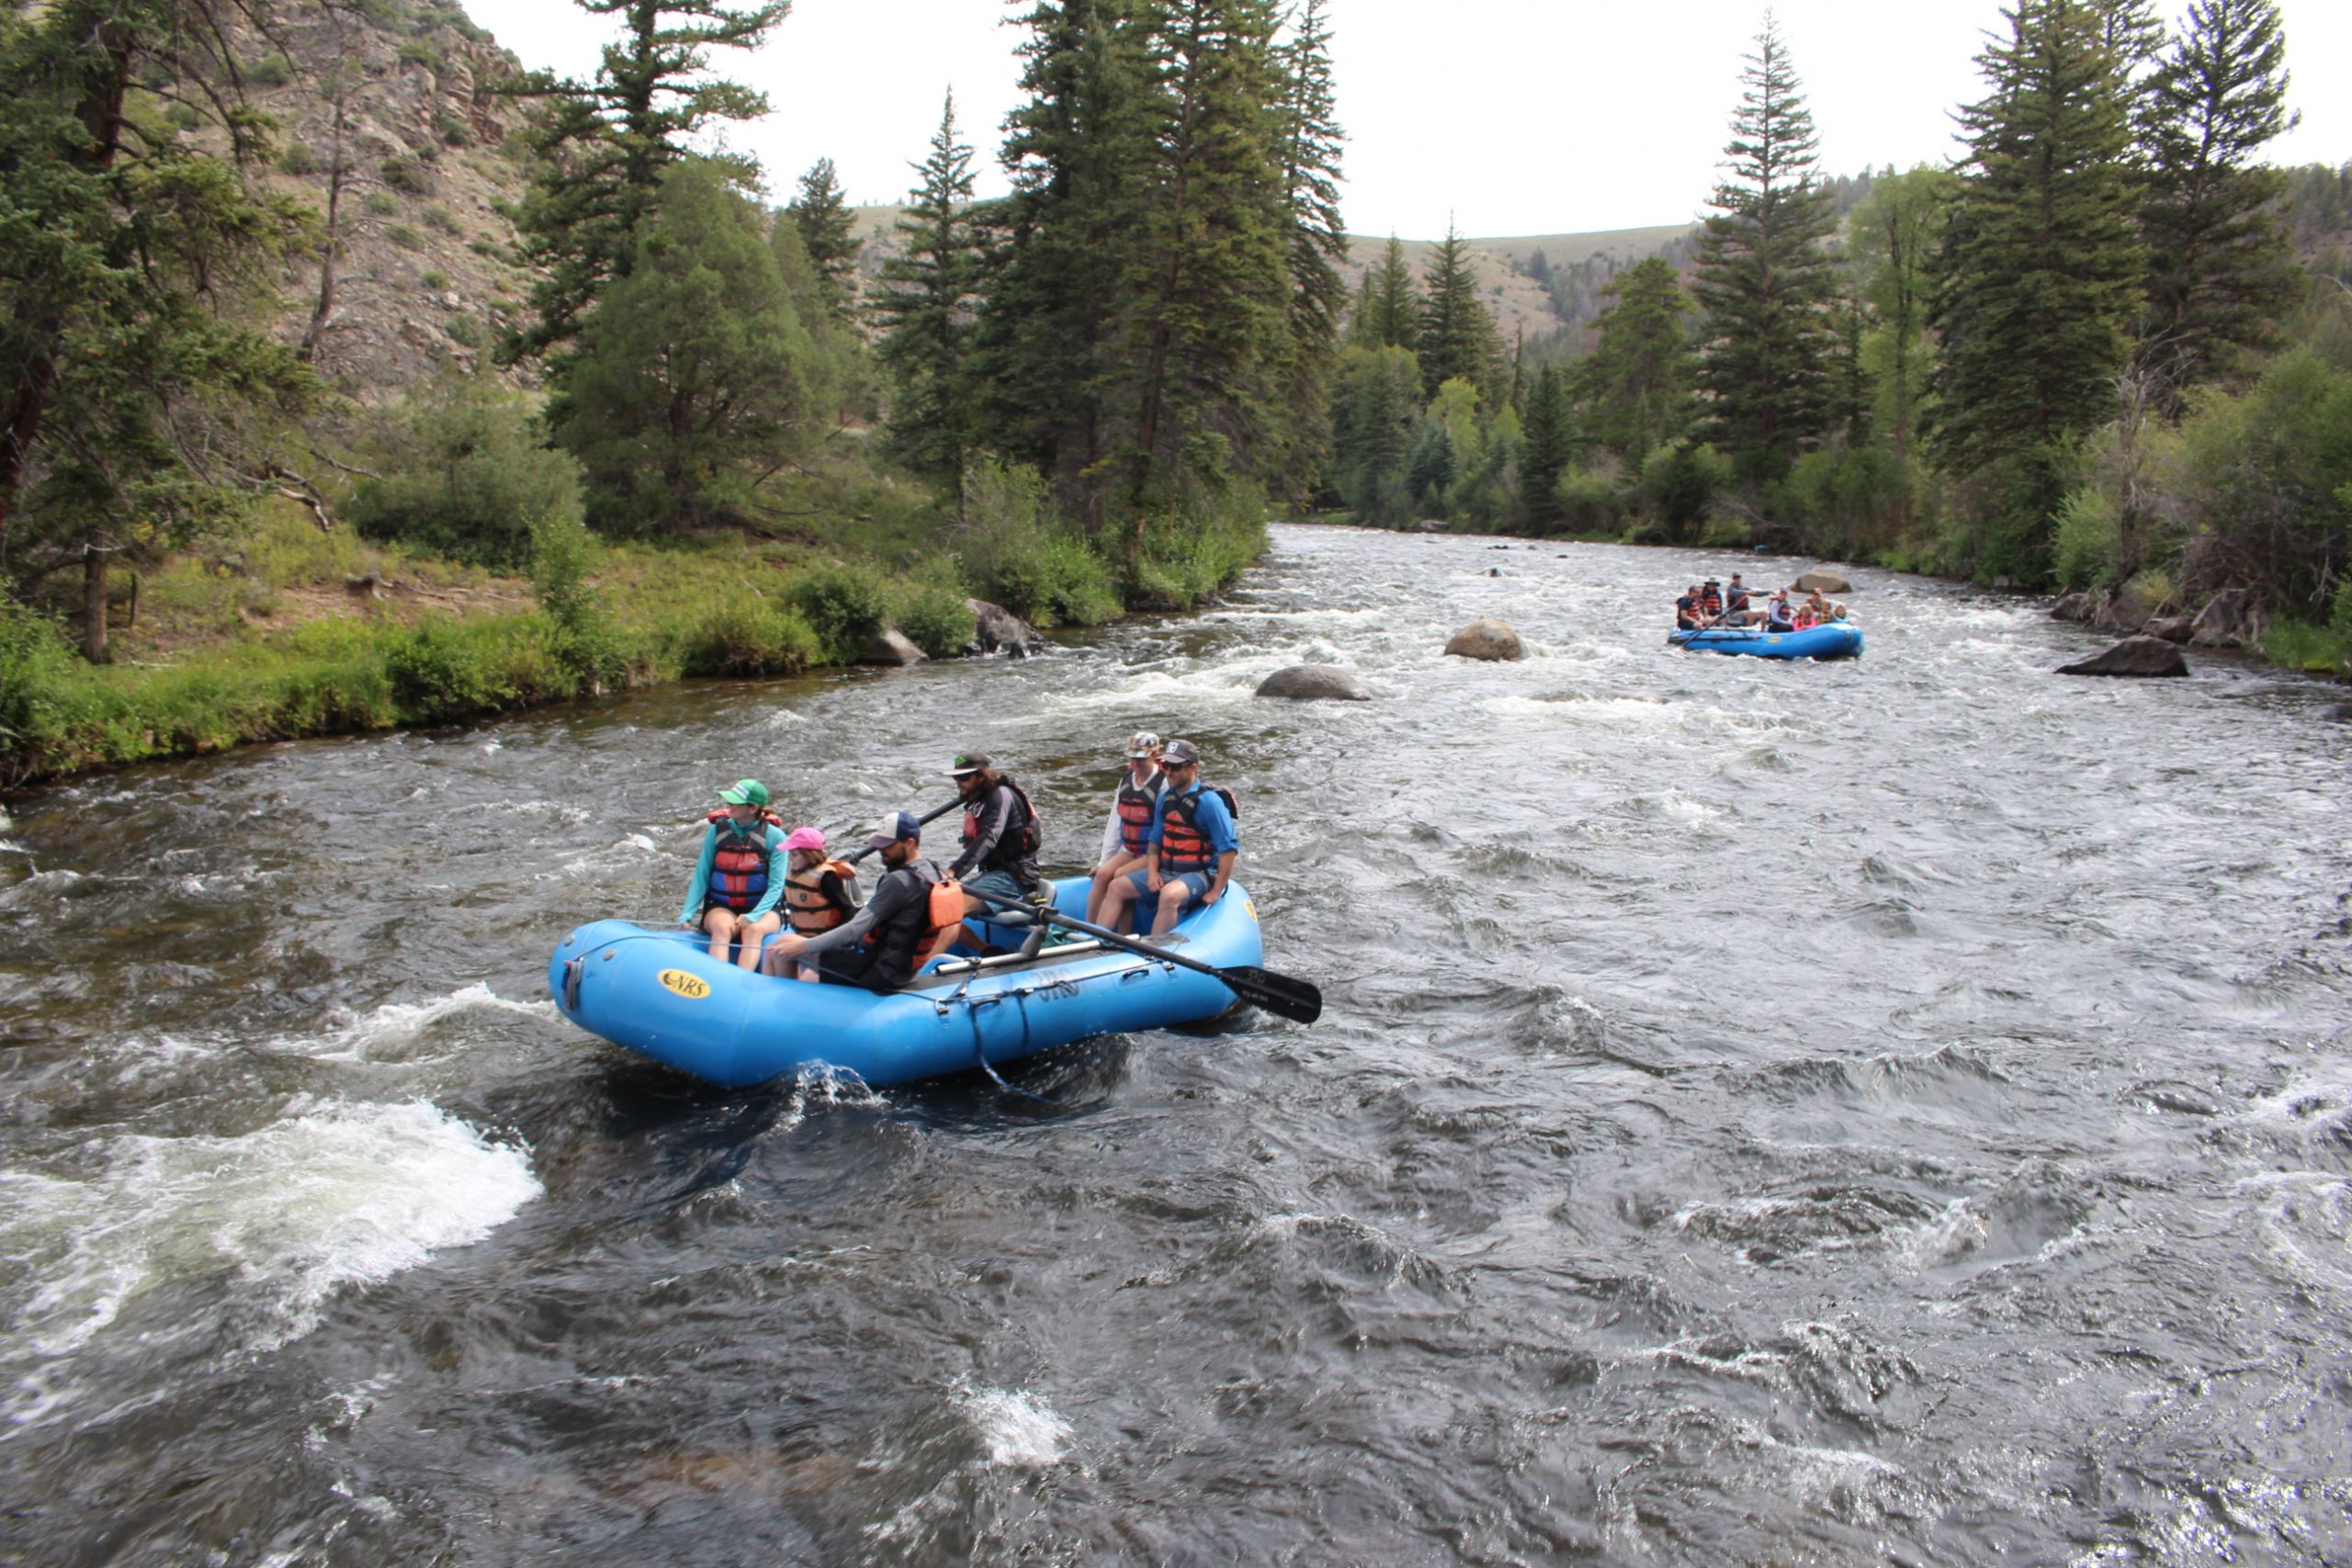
(434, 278)
(439, 670)
(2339, 618)
(416, 51)
(1847, 503)
(844, 607)
(442, 220)
(270, 71)
(2087, 541)
(464, 330)
(405, 172)
(2300, 644)
(563, 559)
(1590, 505)
(1679, 484)
(378, 204)
(296, 158)
(482, 248)
(455, 132)
(745, 635)
(35, 667)
(934, 613)
(404, 236)
(465, 476)
(1017, 554)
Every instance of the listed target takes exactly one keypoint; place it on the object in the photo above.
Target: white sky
(1514, 117)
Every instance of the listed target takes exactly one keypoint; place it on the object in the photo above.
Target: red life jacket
(1136, 805)
(1711, 602)
(1021, 833)
(739, 867)
(1182, 846)
(812, 913)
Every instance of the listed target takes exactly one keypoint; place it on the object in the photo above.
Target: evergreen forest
(352, 375)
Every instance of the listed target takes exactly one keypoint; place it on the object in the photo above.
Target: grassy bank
(293, 632)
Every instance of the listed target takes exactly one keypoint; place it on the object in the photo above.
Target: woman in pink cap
(819, 894)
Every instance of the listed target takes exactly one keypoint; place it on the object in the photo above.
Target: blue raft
(1835, 639)
(657, 991)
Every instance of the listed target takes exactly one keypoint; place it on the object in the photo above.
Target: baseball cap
(891, 828)
(746, 792)
(1179, 752)
(967, 762)
(805, 839)
(1142, 743)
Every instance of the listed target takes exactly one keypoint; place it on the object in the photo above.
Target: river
(1895, 1112)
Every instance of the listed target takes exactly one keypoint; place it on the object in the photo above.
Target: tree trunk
(93, 604)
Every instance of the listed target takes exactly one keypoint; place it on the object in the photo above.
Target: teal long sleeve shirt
(698, 890)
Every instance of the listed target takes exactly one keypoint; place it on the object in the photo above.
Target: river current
(1886, 1112)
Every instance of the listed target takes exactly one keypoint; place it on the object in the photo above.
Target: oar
(932, 817)
(1275, 993)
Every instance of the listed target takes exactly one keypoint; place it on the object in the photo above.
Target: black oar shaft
(1277, 993)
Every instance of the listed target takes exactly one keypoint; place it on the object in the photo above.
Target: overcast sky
(1514, 117)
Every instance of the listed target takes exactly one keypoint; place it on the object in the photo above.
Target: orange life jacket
(1136, 803)
(812, 913)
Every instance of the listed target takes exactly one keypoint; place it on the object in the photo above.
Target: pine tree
(827, 226)
(600, 151)
(1765, 275)
(2222, 267)
(1548, 444)
(1373, 403)
(1457, 335)
(1397, 303)
(700, 380)
(2040, 277)
(127, 256)
(1311, 145)
(1362, 329)
(924, 312)
(1635, 384)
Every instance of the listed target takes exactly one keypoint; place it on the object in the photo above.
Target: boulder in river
(996, 629)
(2132, 656)
(891, 647)
(2231, 619)
(1821, 580)
(1487, 639)
(2072, 607)
(1314, 683)
(2340, 712)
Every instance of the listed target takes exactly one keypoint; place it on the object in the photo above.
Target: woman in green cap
(740, 874)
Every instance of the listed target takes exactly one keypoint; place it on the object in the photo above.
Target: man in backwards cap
(1189, 854)
(883, 945)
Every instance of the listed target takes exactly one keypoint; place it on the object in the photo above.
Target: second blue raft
(657, 991)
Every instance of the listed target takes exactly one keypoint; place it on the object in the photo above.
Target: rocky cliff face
(390, 124)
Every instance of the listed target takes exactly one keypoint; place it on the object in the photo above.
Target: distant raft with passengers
(657, 991)
(1832, 639)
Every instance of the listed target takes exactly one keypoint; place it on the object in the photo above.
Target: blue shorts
(1196, 883)
(1001, 882)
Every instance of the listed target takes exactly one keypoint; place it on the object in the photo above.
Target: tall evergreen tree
(2222, 267)
(924, 312)
(599, 149)
(2040, 277)
(1896, 233)
(1635, 384)
(1458, 338)
(1376, 395)
(1765, 275)
(1311, 145)
(827, 232)
(128, 254)
(700, 382)
(1362, 331)
(1397, 303)
(1548, 445)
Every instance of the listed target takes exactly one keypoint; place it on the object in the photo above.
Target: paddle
(1275, 993)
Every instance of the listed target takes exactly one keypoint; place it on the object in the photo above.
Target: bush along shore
(300, 632)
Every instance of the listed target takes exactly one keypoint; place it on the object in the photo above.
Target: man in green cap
(740, 874)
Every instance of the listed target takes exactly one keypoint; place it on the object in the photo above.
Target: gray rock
(1314, 683)
(1823, 580)
(2231, 619)
(2072, 607)
(2172, 628)
(1487, 639)
(2340, 712)
(891, 647)
(998, 629)
(2132, 656)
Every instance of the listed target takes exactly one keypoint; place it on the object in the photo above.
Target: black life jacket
(1021, 834)
(739, 867)
(812, 913)
(917, 932)
(1182, 846)
(1777, 617)
(1137, 803)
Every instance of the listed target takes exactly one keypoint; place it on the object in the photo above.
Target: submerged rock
(1314, 683)
(2132, 656)
(1487, 639)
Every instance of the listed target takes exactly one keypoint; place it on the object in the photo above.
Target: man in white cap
(883, 945)
(1189, 856)
(1132, 810)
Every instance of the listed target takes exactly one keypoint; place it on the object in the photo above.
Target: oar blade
(1293, 998)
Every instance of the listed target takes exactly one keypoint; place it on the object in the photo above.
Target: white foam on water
(636, 846)
(395, 1025)
(329, 1196)
(40, 885)
(1017, 1429)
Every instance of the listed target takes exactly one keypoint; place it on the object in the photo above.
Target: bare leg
(1172, 899)
(750, 933)
(1116, 903)
(720, 923)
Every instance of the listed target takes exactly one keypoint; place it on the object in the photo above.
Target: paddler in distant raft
(912, 917)
(1189, 855)
(819, 894)
(740, 875)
